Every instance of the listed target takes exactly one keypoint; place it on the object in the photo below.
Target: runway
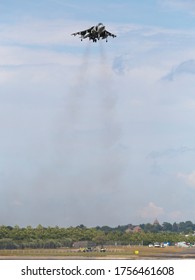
(146, 254)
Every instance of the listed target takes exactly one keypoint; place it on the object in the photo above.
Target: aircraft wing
(84, 32)
(107, 33)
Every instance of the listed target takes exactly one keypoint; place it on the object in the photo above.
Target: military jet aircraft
(95, 33)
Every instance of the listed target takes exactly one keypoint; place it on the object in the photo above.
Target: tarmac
(186, 253)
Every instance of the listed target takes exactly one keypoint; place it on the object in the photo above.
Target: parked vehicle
(183, 244)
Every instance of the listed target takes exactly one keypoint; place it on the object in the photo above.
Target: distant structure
(133, 229)
(156, 222)
(137, 229)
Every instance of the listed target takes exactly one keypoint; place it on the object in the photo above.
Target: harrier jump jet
(95, 33)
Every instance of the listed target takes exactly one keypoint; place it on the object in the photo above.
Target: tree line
(56, 237)
(181, 227)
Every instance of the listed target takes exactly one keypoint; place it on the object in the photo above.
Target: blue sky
(97, 134)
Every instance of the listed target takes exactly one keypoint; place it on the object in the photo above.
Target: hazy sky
(97, 134)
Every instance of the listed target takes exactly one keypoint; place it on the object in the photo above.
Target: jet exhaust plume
(110, 170)
(78, 90)
(84, 164)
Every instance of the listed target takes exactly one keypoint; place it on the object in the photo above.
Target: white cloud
(40, 33)
(170, 153)
(188, 178)
(151, 211)
(186, 67)
(176, 215)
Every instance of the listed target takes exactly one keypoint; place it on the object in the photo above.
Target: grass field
(123, 252)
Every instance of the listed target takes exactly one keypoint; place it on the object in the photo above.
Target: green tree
(175, 227)
(167, 226)
(189, 227)
(100, 238)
